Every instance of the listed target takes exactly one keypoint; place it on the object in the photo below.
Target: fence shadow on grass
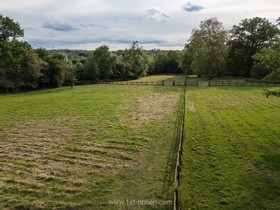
(168, 179)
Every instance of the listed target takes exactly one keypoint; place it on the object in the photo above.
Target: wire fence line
(182, 126)
(191, 82)
(248, 84)
(179, 154)
(157, 83)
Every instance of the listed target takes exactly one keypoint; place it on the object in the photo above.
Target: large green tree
(31, 67)
(167, 62)
(20, 66)
(186, 60)
(208, 48)
(9, 29)
(105, 61)
(138, 59)
(90, 71)
(58, 65)
(246, 40)
(56, 72)
(269, 58)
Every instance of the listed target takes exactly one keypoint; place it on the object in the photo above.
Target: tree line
(250, 49)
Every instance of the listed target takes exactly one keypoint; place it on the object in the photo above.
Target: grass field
(231, 150)
(80, 148)
(167, 78)
(85, 147)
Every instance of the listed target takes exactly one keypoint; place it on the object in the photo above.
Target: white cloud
(190, 7)
(59, 25)
(157, 15)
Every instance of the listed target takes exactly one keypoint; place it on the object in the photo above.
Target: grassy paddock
(158, 78)
(79, 148)
(231, 150)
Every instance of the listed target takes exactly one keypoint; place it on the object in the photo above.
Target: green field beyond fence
(231, 149)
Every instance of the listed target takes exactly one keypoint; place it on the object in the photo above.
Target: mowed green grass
(80, 148)
(167, 79)
(231, 149)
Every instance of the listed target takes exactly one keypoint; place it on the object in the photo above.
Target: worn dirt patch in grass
(191, 107)
(31, 144)
(38, 136)
(35, 151)
(46, 158)
(151, 107)
(43, 148)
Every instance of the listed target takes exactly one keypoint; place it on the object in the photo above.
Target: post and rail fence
(195, 83)
(245, 83)
(157, 83)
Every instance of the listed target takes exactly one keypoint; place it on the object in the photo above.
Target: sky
(160, 24)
